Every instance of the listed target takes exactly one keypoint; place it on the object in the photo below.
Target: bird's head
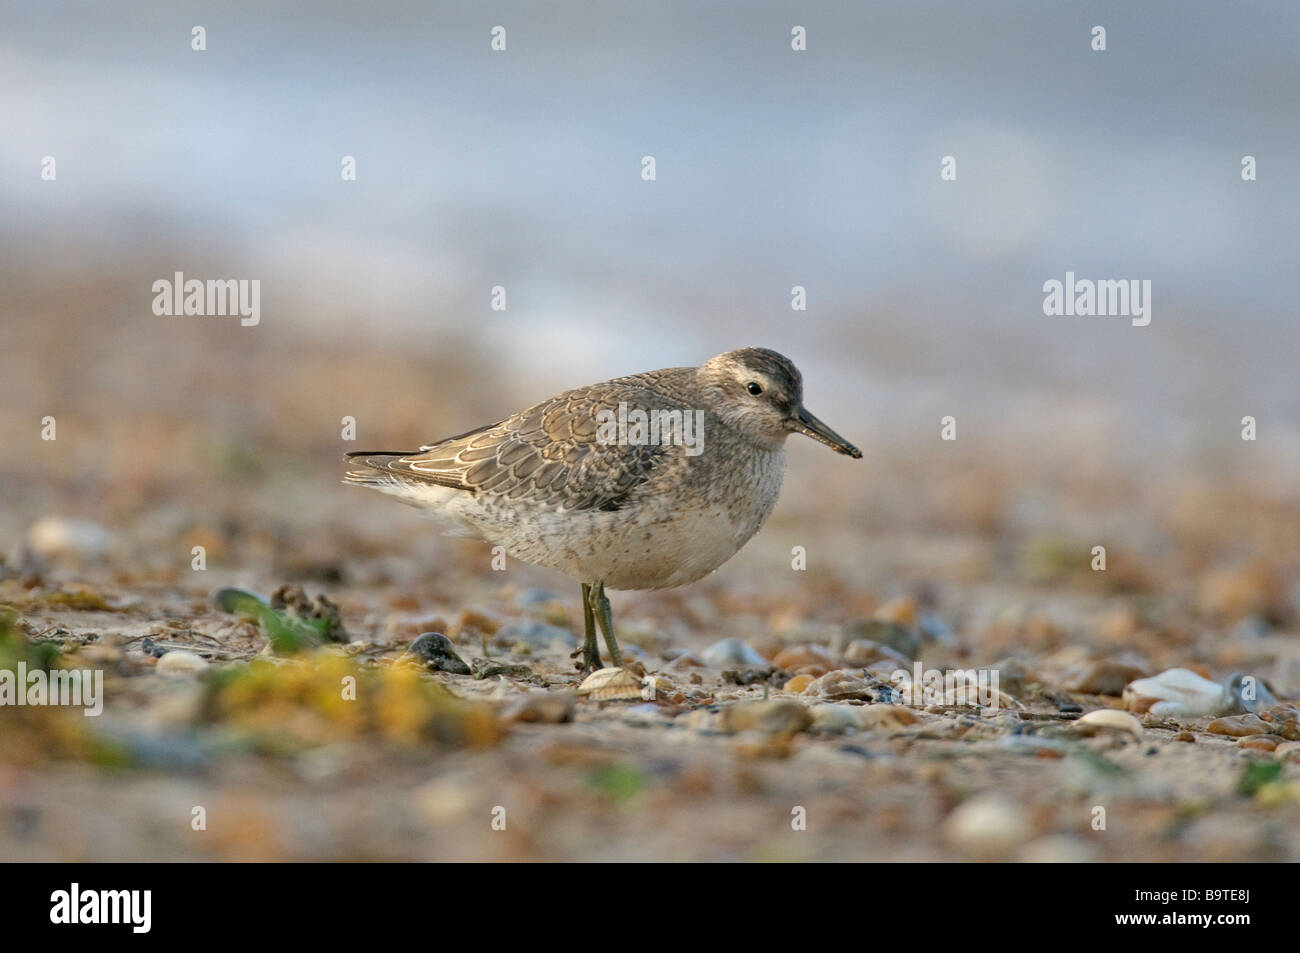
(759, 393)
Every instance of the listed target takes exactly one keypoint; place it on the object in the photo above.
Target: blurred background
(774, 169)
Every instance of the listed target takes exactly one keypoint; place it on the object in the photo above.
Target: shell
(180, 662)
(611, 685)
(1176, 693)
(1108, 718)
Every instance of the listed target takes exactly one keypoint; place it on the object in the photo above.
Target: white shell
(180, 662)
(1175, 693)
(1110, 718)
(611, 684)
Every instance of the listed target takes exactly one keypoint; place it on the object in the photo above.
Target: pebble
(1176, 693)
(1239, 726)
(841, 685)
(798, 657)
(1287, 751)
(180, 662)
(798, 684)
(1258, 743)
(538, 636)
(1107, 719)
(436, 652)
(775, 717)
(1104, 677)
(835, 719)
(902, 609)
(492, 668)
(904, 639)
(1285, 720)
(732, 652)
(987, 826)
(887, 717)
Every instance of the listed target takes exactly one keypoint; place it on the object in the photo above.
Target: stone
(1103, 677)
(1239, 726)
(435, 651)
(775, 717)
(732, 653)
(839, 685)
(182, 663)
(887, 717)
(987, 827)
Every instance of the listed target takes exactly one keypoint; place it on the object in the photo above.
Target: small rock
(904, 639)
(798, 684)
(732, 652)
(987, 826)
(798, 657)
(1287, 751)
(902, 609)
(886, 717)
(1176, 693)
(1259, 742)
(839, 685)
(835, 719)
(1103, 677)
(1285, 720)
(776, 717)
(491, 668)
(1239, 726)
(180, 662)
(435, 651)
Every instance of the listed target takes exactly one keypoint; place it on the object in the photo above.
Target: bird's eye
(755, 388)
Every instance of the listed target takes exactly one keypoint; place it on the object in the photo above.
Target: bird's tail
(377, 462)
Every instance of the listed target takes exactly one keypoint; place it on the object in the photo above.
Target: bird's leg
(590, 650)
(605, 616)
